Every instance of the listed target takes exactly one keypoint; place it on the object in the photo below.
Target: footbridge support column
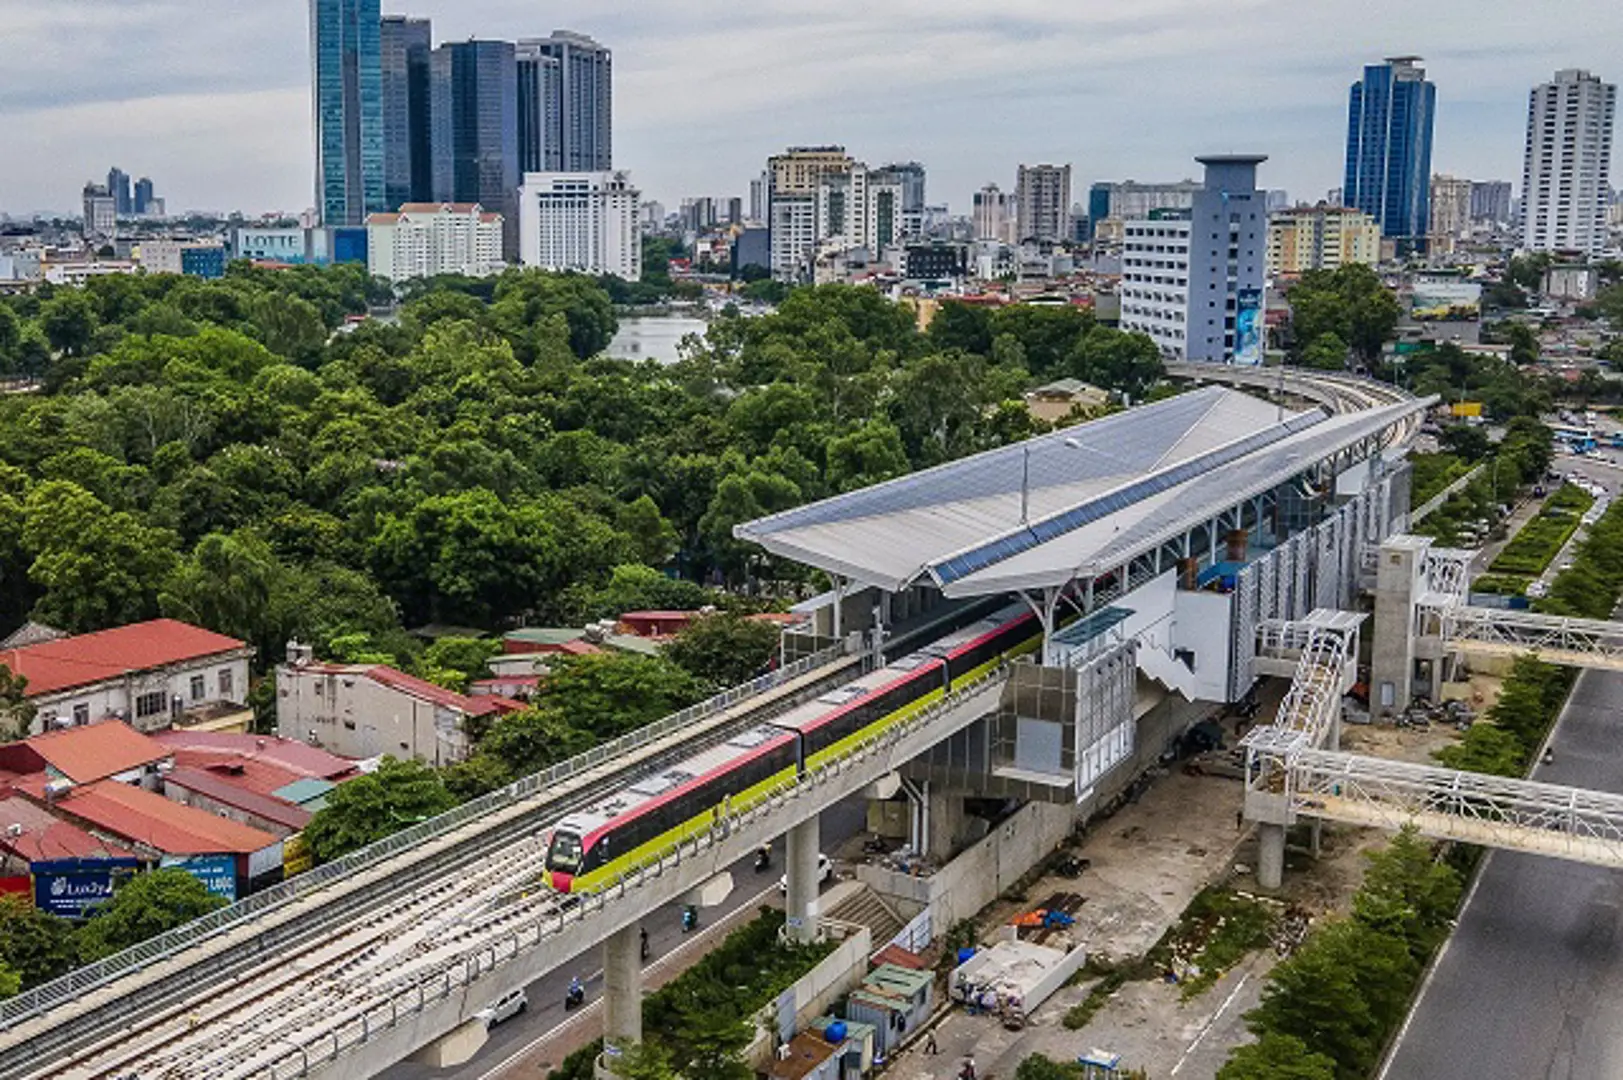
(946, 823)
(803, 842)
(1270, 855)
(622, 987)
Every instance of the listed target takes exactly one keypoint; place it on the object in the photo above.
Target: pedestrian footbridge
(1583, 643)
(1446, 804)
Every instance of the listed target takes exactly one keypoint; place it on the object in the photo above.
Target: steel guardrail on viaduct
(456, 838)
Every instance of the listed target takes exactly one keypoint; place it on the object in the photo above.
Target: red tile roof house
(84, 755)
(370, 710)
(152, 674)
(157, 828)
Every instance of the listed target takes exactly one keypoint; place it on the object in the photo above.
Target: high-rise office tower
(1490, 200)
(760, 189)
(1566, 180)
(100, 212)
(475, 129)
(991, 217)
(566, 109)
(408, 166)
(1450, 208)
(1042, 198)
(909, 178)
(143, 195)
(118, 186)
(539, 107)
(1389, 129)
(347, 79)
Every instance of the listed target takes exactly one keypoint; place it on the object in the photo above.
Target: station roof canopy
(1098, 495)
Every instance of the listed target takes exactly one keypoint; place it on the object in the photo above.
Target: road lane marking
(1207, 1030)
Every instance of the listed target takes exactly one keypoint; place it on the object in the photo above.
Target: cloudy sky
(211, 97)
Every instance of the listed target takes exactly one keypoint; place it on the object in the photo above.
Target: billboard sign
(70, 887)
(218, 873)
(1248, 328)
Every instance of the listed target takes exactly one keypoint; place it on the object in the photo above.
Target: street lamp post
(1025, 476)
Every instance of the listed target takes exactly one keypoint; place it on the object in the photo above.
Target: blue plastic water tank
(834, 1034)
(965, 953)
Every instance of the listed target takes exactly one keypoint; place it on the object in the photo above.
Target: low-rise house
(154, 675)
(231, 858)
(372, 710)
(84, 755)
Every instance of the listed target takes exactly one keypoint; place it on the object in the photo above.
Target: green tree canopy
(1277, 1057)
(35, 944)
(724, 650)
(143, 907)
(368, 808)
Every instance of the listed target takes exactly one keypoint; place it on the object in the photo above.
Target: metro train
(595, 845)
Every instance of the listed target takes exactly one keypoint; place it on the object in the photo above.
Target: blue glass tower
(408, 164)
(475, 122)
(1389, 127)
(347, 78)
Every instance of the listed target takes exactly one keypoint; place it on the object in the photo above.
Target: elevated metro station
(1151, 544)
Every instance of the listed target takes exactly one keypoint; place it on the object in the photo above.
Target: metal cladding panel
(1246, 615)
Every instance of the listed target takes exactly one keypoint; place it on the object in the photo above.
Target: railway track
(60, 1042)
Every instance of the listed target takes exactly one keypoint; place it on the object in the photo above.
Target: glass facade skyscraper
(408, 165)
(475, 129)
(347, 77)
(566, 111)
(1389, 129)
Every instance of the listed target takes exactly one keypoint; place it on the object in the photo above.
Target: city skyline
(222, 108)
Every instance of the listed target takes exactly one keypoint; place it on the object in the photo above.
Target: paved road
(1531, 984)
(546, 1011)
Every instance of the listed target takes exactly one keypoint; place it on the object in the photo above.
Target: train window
(565, 852)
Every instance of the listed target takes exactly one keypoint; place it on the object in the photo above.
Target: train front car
(566, 856)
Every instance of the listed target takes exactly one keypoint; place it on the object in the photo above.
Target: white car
(1537, 590)
(503, 1008)
(825, 870)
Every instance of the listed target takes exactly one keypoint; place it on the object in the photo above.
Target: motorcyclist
(642, 939)
(763, 857)
(577, 992)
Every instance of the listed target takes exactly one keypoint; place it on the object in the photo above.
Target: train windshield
(564, 854)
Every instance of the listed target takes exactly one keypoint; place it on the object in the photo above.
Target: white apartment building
(584, 221)
(1193, 280)
(859, 208)
(1321, 238)
(1566, 178)
(426, 239)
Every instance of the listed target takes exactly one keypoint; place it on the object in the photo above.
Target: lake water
(653, 337)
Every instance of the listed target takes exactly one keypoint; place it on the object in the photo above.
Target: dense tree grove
(243, 454)
(255, 455)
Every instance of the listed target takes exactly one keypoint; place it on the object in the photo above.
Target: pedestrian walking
(929, 1042)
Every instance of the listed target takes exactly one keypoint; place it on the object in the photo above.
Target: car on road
(504, 1008)
(1537, 590)
(825, 870)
